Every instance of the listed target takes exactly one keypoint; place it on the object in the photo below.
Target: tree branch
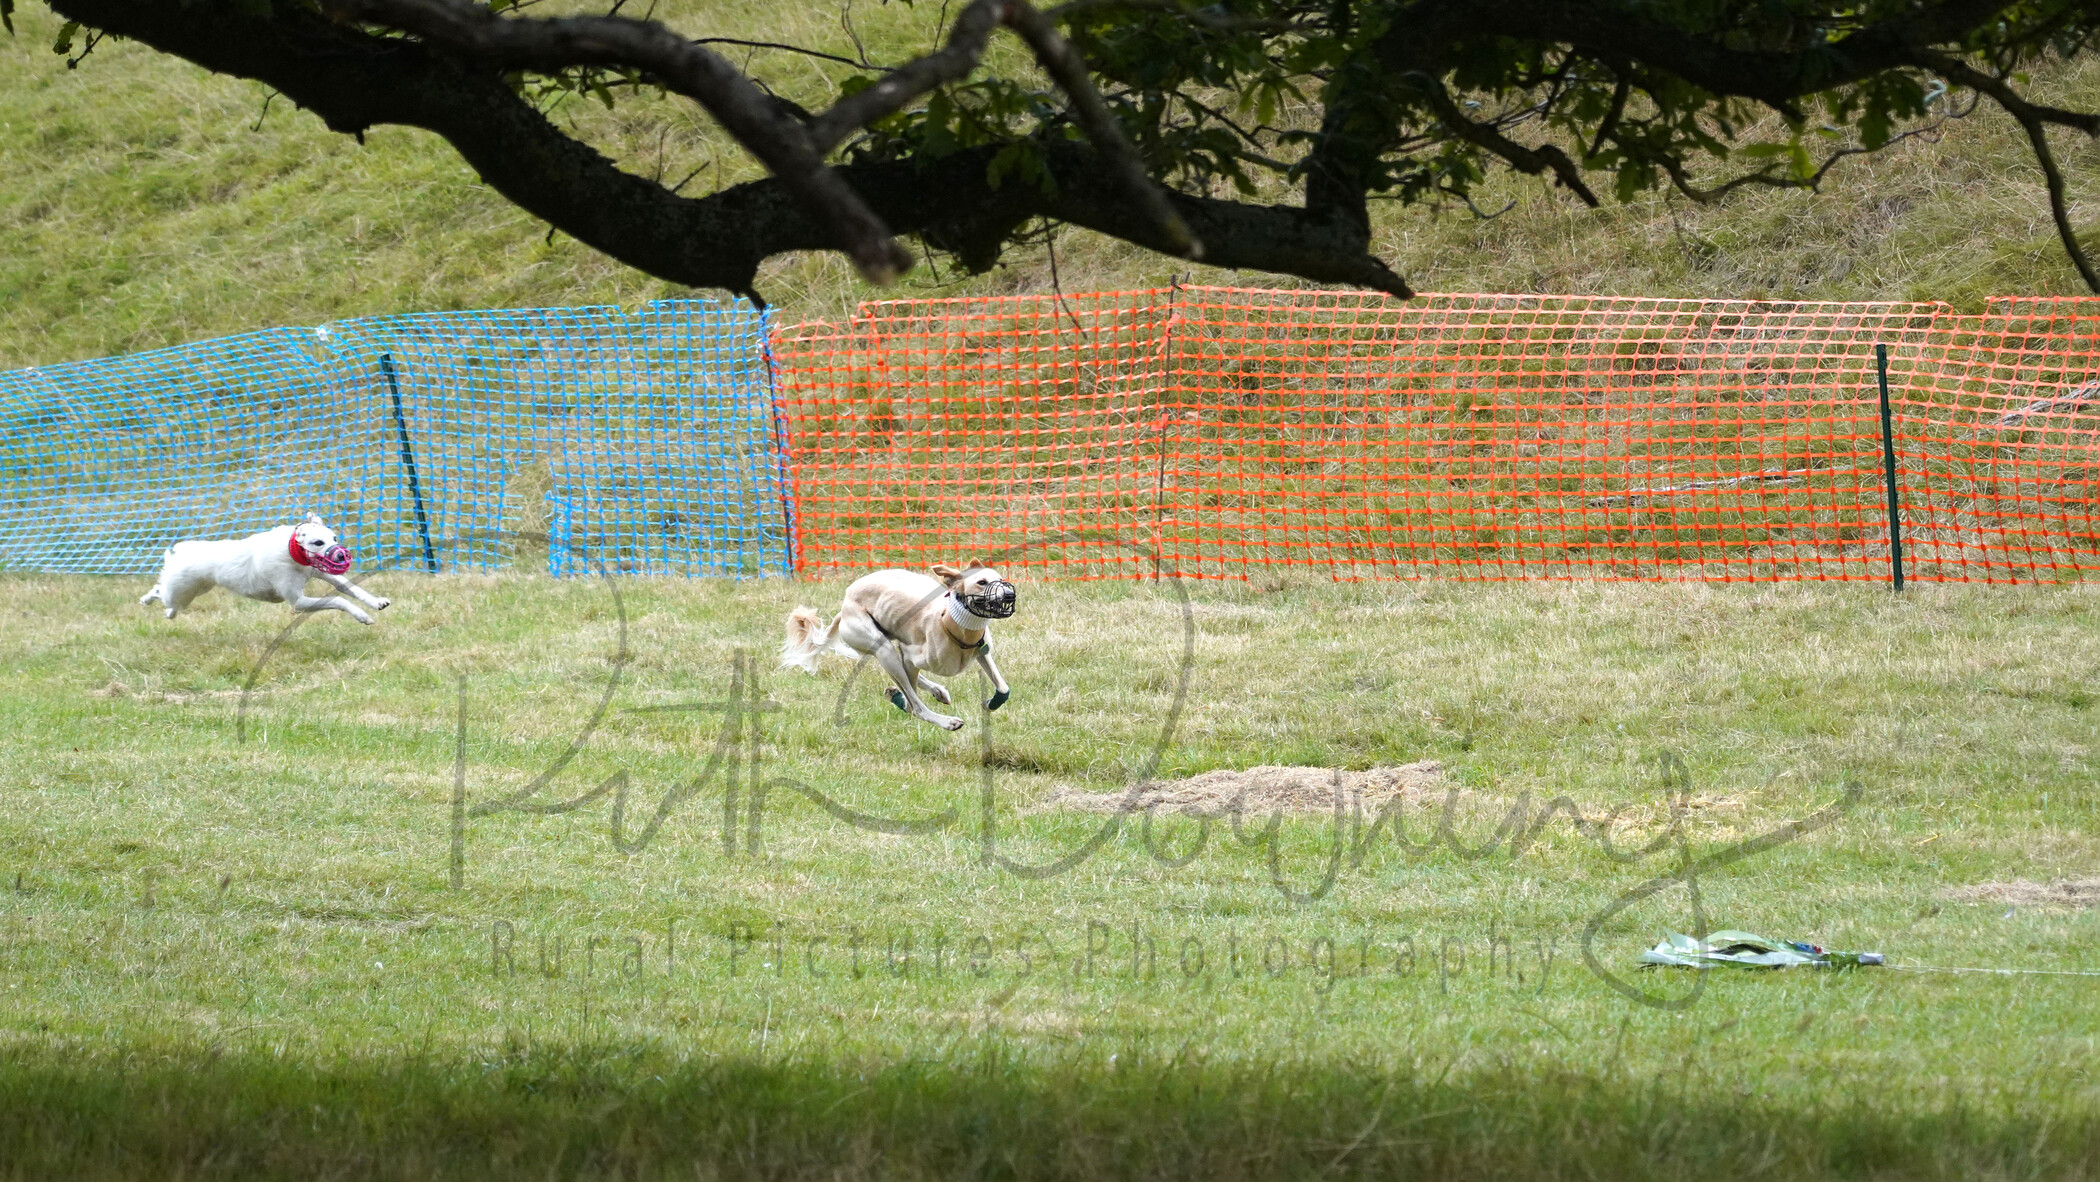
(1619, 95)
(951, 63)
(819, 54)
(1772, 77)
(1206, 18)
(354, 80)
(2033, 119)
(698, 73)
(1681, 180)
(1069, 71)
(790, 151)
(965, 48)
(1527, 160)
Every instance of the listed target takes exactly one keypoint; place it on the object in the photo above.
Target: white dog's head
(315, 545)
(982, 590)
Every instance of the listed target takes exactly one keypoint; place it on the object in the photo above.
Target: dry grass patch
(1266, 789)
(2020, 892)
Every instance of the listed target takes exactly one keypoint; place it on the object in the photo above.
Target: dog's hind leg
(934, 689)
(906, 697)
(159, 592)
(333, 603)
(177, 591)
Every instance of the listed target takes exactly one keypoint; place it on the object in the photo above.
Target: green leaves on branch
(1022, 160)
(592, 82)
(1793, 152)
(957, 118)
(1331, 103)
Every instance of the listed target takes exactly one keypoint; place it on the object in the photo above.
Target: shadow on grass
(990, 1115)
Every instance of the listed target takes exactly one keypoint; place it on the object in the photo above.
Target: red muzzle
(335, 560)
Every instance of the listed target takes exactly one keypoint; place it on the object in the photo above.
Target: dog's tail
(808, 637)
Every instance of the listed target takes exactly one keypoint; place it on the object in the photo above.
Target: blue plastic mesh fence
(582, 438)
(644, 442)
(105, 464)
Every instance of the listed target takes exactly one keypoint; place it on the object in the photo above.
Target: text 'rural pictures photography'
(736, 771)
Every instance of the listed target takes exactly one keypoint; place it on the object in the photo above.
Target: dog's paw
(996, 700)
(938, 693)
(947, 723)
(361, 618)
(897, 700)
(381, 604)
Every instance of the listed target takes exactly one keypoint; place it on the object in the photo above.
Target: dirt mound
(1261, 790)
(2085, 892)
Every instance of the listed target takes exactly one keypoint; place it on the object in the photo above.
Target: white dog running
(272, 566)
(912, 625)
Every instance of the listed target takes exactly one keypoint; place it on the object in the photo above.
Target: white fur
(259, 567)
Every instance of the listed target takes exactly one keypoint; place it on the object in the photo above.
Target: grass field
(231, 943)
(563, 879)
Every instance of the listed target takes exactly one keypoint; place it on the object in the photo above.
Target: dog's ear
(977, 564)
(946, 573)
(313, 518)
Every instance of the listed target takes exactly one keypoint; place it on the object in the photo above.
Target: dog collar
(963, 616)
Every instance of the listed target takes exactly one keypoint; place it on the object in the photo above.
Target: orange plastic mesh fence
(1999, 445)
(1222, 433)
(1022, 430)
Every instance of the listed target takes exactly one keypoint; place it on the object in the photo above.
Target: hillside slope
(148, 203)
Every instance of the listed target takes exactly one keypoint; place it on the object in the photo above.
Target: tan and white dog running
(912, 625)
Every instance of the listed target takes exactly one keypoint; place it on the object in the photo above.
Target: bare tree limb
(355, 80)
(951, 63)
(1774, 77)
(1069, 71)
(805, 51)
(447, 65)
(1073, 9)
(1680, 178)
(1619, 95)
(1523, 159)
(1962, 73)
(745, 111)
(792, 152)
(954, 61)
(2034, 120)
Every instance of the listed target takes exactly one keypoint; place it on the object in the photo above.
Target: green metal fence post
(1888, 469)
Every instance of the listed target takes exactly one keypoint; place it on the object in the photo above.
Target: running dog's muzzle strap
(335, 560)
(962, 616)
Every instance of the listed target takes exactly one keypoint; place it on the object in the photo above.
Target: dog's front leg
(375, 602)
(905, 696)
(999, 690)
(333, 603)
